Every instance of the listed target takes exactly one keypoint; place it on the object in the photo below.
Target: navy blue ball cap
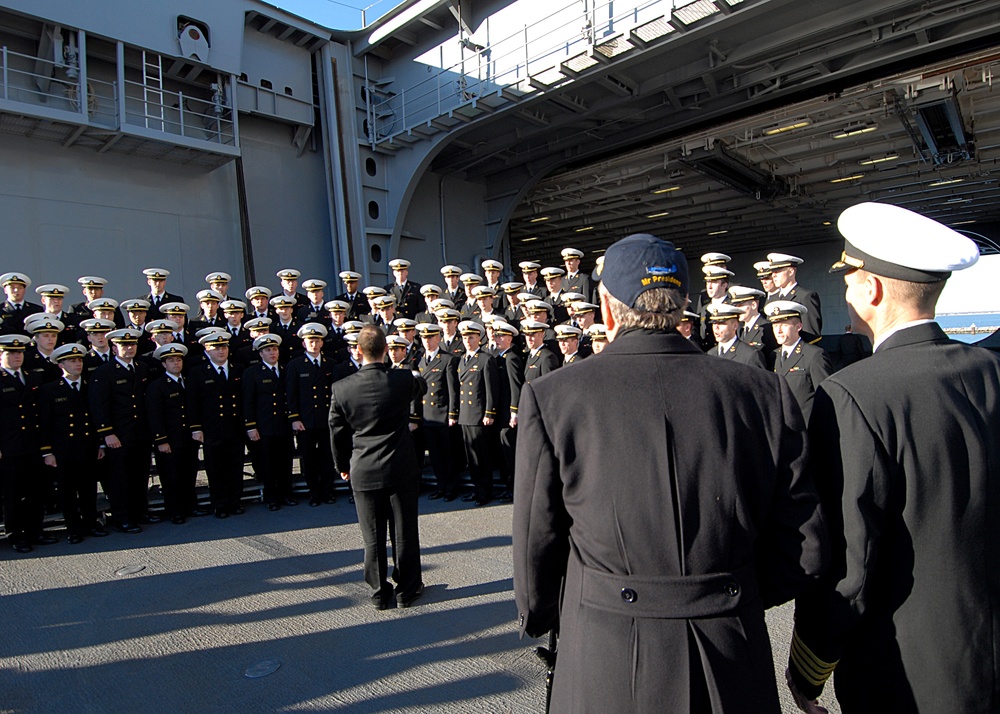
(642, 262)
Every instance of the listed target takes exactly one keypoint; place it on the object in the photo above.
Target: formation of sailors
(97, 391)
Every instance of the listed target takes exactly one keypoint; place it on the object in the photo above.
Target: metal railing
(43, 83)
(525, 61)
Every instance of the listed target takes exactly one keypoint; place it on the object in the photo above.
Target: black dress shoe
(22, 548)
(407, 600)
(450, 497)
(238, 511)
(198, 512)
(178, 520)
(480, 502)
(506, 497)
(274, 506)
(469, 497)
(314, 502)
(435, 496)
(74, 538)
(149, 518)
(384, 603)
(98, 532)
(350, 499)
(289, 502)
(126, 527)
(45, 540)
(330, 499)
(221, 513)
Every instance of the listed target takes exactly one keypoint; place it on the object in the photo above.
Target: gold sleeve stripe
(812, 668)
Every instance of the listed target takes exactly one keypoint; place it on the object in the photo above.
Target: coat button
(629, 595)
(732, 589)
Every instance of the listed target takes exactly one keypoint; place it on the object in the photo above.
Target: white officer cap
(52, 290)
(314, 284)
(447, 314)
(897, 243)
(441, 303)
(96, 324)
(207, 331)
(352, 327)
(135, 305)
(263, 341)
(103, 304)
(258, 323)
(175, 308)
(14, 343)
(384, 302)
(491, 264)
(430, 289)
(738, 294)
(599, 332)
(504, 328)
(530, 326)
(715, 259)
(218, 277)
(536, 305)
(373, 291)
(126, 335)
(337, 306)
(67, 352)
(158, 326)
(399, 264)
(92, 281)
(568, 253)
(312, 329)
(565, 332)
(156, 273)
(783, 260)
(233, 306)
(470, 278)
(528, 266)
(549, 273)
(467, 327)
(573, 297)
(405, 323)
(763, 269)
(171, 349)
(721, 313)
(349, 276)
(481, 291)
(218, 338)
(258, 291)
(288, 274)
(784, 309)
(449, 270)
(512, 287)
(429, 328)
(44, 323)
(396, 341)
(715, 272)
(15, 277)
(209, 296)
(282, 301)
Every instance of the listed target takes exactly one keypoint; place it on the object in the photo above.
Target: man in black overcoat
(651, 527)
(905, 451)
(370, 437)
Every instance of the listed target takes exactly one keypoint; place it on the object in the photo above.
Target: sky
(973, 289)
(338, 14)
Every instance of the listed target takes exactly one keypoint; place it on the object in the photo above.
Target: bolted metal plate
(130, 570)
(262, 669)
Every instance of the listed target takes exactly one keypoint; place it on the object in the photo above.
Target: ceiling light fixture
(798, 124)
(945, 182)
(717, 233)
(854, 177)
(539, 219)
(585, 228)
(668, 189)
(962, 223)
(528, 240)
(854, 130)
(879, 159)
(661, 214)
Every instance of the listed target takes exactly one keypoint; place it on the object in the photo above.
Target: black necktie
(222, 373)
(131, 368)
(75, 386)
(20, 376)
(105, 357)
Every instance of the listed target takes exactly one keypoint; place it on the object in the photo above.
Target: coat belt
(662, 597)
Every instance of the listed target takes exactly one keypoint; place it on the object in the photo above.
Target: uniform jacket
(511, 366)
(358, 305)
(761, 337)
(579, 283)
(17, 414)
(64, 425)
(539, 364)
(478, 388)
(166, 405)
(440, 403)
(408, 298)
(12, 322)
(154, 309)
(455, 347)
(118, 401)
(265, 400)
(906, 454)
(215, 404)
(369, 418)
(741, 352)
(805, 369)
(737, 526)
(307, 390)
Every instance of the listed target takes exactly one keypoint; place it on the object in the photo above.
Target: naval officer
(905, 448)
(803, 366)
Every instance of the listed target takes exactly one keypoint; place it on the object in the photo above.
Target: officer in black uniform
(138, 312)
(406, 292)
(259, 298)
(266, 412)
(510, 364)
(529, 273)
(754, 328)
(784, 271)
(439, 407)
(357, 303)
(575, 281)
(92, 288)
(215, 405)
(540, 360)
(239, 337)
(208, 314)
(176, 453)
(100, 352)
(803, 366)
(479, 389)
(725, 321)
(430, 293)
(453, 289)
(289, 278)
(285, 326)
(70, 446)
(315, 310)
(44, 331)
(157, 296)
(308, 381)
(118, 410)
(688, 327)
(23, 487)
(53, 297)
(15, 308)
(470, 281)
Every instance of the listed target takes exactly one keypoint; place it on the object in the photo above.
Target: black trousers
(76, 474)
(316, 461)
(224, 468)
(479, 451)
(23, 497)
(178, 472)
(438, 441)
(508, 445)
(378, 512)
(128, 479)
(272, 465)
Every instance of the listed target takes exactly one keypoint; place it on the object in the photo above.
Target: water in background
(985, 320)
